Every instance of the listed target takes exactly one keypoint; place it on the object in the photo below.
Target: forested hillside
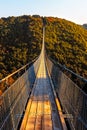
(21, 40)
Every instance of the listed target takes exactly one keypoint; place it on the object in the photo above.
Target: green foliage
(66, 42)
(21, 40)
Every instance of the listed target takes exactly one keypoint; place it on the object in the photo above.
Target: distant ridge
(85, 26)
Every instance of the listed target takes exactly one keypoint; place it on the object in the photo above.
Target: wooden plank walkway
(41, 112)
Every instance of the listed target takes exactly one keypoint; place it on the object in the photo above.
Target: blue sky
(73, 10)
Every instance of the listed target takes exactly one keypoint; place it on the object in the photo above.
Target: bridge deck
(41, 112)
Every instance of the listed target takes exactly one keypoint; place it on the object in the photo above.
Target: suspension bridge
(42, 97)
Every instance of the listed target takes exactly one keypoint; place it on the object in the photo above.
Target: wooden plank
(32, 116)
(39, 109)
(47, 108)
(47, 122)
(31, 123)
(39, 123)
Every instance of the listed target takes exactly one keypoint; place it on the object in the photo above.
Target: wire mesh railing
(77, 79)
(73, 100)
(14, 99)
(6, 82)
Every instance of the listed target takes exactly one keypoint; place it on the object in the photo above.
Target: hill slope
(21, 40)
(67, 43)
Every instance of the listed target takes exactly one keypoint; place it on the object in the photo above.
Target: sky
(72, 10)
